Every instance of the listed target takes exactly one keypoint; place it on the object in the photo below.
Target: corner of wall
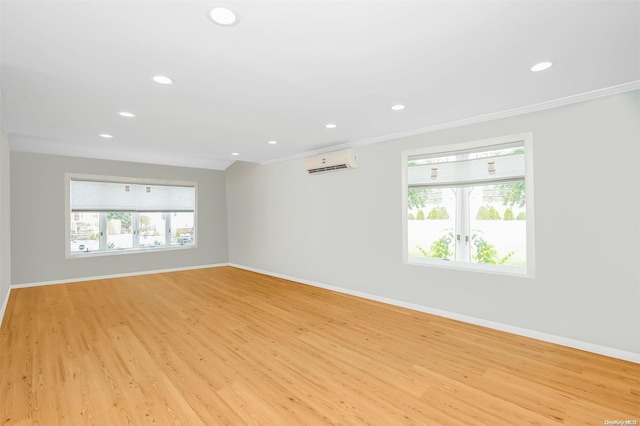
(5, 225)
(3, 308)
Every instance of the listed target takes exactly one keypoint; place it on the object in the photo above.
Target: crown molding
(542, 106)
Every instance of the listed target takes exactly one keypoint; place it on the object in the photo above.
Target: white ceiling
(287, 68)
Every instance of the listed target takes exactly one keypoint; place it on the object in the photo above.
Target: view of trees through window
(127, 230)
(496, 218)
(117, 214)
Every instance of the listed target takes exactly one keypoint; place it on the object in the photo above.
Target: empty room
(319, 212)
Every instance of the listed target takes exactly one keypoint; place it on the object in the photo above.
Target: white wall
(5, 224)
(344, 229)
(38, 215)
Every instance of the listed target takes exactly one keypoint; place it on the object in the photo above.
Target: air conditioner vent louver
(332, 161)
(328, 169)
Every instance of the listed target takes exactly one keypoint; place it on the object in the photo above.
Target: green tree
(145, 221)
(521, 216)
(438, 213)
(443, 248)
(482, 213)
(443, 213)
(420, 197)
(512, 194)
(124, 218)
(508, 215)
(411, 217)
(487, 213)
(493, 214)
(416, 198)
(420, 215)
(440, 249)
(145, 224)
(486, 253)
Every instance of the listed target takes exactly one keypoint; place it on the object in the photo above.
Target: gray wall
(344, 229)
(38, 217)
(5, 224)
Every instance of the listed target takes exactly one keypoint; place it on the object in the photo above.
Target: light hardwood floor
(227, 346)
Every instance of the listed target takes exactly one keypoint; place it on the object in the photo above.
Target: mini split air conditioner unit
(332, 161)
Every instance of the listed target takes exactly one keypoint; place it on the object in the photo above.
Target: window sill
(85, 254)
(470, 267)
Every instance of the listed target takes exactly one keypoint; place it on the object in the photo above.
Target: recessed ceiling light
(126, 114)
(235, 153)
(397, 107)
(541, 66)
(223, 16)
(161, 79)
(105, 135)
(330, 126)
(272, 142)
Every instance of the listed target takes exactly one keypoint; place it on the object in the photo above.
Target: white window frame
(527, 140)
(134, 217)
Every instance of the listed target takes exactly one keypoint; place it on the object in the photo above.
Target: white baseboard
(545, 337)
(4, 305)
(129, 274)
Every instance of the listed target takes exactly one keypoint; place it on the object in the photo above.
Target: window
(470, 206)
(108, 215)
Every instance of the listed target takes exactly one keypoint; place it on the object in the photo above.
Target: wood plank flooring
(230, 347)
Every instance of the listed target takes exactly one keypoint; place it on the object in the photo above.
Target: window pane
(85, 232)
(466, 205)
(182, 231)
(498, 224)
(117, 214)
(119, 231)
(152, 230)
(431, 223)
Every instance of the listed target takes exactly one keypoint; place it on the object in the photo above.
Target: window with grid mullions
(109, 215)
(469, 206)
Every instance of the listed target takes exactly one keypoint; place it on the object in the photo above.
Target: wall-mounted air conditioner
(332, 161)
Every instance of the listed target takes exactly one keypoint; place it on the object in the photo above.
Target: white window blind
(498, 165)
(92, 196)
